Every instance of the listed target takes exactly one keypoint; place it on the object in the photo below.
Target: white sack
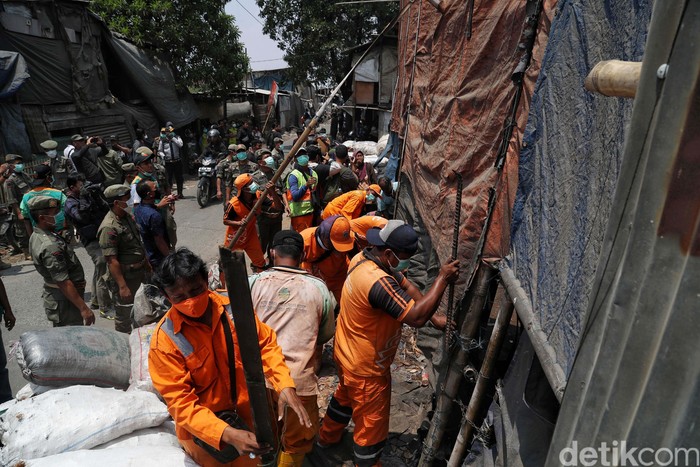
(31, 390)
(163, 435)
(165, 456)
(139, 345)
(73, 418)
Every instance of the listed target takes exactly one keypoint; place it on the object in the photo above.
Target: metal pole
(483, 383)
(449, 328)
(314, 121)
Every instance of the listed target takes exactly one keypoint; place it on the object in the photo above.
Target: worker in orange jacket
(189, 365)
(377, 300)
(352, 203)
(235, 218)
(325, 252)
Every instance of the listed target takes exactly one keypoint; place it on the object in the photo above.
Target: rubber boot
(290, 460)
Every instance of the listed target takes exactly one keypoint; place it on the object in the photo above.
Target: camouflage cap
(40, 202)
(48, 145)
(116, 191)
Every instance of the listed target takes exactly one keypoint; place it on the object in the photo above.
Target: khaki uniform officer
(122, 248)
(64, 279)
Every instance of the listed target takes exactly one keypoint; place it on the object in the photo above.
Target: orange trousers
(202, 458)
(296, 438)
(300, 223)
(367, 402)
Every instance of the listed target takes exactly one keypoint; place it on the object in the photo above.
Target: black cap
(288, 237)
(40, 174)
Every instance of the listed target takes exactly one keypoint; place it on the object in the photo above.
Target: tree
(316, 35)
(197, 37)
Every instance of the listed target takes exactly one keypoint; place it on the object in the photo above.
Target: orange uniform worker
(325, 252)
(361, 225)
(377, 299)
(235, 218)
(352, 203)
(189, 364)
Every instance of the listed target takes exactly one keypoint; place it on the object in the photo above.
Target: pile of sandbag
(62, 418)
(76, 418)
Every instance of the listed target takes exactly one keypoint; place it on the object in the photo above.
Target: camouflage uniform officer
(16, 185)
(59, 164)
(64, 279)
(122, 248)
(236, 163)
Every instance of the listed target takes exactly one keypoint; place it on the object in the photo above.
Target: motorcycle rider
(235, 164)
(215, 145)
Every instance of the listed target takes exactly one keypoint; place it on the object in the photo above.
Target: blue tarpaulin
(570, 162)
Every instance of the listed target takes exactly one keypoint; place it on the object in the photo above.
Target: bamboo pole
(314, 121)
(545, 353)
(614, 78)
(483, 383)
(453, 378)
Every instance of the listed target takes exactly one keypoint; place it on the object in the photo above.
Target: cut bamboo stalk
(614, 78)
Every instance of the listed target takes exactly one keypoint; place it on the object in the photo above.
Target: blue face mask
(303, 161)
(19, 168)
(253, 187)
(270, 163)
(241, 156)
(370, 197)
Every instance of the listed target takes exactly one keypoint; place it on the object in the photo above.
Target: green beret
(116, 191)
(49, 144)
(40, 202)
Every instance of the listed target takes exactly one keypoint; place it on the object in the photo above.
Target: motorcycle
(206, 187)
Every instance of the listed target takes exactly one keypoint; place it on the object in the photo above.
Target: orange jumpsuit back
(249, 241)
(348, 204)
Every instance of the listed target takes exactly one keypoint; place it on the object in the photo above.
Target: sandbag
(31, 390)
(121, 457)
(139, 345)
(72, 355)
(149, 305)
(162, 435)
(367, 147)
(73, 418)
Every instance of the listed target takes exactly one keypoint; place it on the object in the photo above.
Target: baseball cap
(40, 174)
(342, 237)
(144, 150)
(397, 235)
(116, 191)
(278, 140)
(376, 189)
(37, 203)
(129, 167)
(300, 152)
(241, 181)
(241, 147)
(49, 144)
(288, 237)
(12, 157)
(232, 147)
(77, 138)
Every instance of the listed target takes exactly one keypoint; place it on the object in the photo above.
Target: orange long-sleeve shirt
(197, 386)
(349, 205)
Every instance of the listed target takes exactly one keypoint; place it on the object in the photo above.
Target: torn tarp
(155, 80)
(13, 73)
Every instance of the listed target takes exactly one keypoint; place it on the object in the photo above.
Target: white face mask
(52, 153)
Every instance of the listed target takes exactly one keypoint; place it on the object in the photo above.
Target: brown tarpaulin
(461, 100)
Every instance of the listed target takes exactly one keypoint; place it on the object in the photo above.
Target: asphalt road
(199, 229)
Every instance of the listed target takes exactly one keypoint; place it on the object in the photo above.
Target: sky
(263, 51)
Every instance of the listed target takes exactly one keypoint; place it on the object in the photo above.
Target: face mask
(270, 163)
(52, 153)
(402, 265)
(147, 174)
(121, 204)
(241, 156)
(253, 187)
(303, 161)
(370, 197)
(194, 307)
(19, 168)
(56, 222)
(162, 135)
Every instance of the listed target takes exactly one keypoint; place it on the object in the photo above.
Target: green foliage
(200, 41)
(316, 34)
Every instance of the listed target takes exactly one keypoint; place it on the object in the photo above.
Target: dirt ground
(410, 401)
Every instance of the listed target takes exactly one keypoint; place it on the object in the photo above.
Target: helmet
(213, 134)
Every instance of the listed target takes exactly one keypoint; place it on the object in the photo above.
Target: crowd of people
(337, 273)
